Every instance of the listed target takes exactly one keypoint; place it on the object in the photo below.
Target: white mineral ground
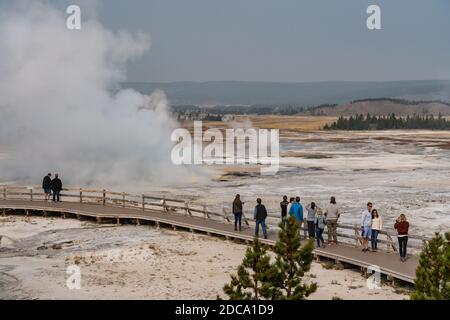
(399, 171)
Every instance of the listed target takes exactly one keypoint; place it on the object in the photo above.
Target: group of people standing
(52, 186)
(371, 224)
(317, 219)
(259, 215)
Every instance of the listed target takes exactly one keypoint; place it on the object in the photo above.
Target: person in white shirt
(376, 227)
(366, 226)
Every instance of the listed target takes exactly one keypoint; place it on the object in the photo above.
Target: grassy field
(289, 123)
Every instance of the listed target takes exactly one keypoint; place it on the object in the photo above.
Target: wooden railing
(177, 206)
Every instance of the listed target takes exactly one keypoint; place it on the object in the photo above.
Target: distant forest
(402, 101)
(359, 122)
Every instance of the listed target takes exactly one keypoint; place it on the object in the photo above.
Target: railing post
(225, 214)
(143, 202)
(164, 205)
(186, 208)
(205, 212)
(81, 195)
(123, 199)
(245, 219)
(391, 242)
(305, 228)
(5, 188)
(31, 194)
(104, 197)
(355, 229)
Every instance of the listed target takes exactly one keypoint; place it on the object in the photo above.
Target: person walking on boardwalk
(402, 226)
(47, 186)
(332, 215)
(319, 223)
(310, 218)
(284, 205)
(366, 226)
(237, 211)
(56, 188)
(376, 227)
(260, 215)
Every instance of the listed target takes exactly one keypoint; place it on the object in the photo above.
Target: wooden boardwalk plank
(389, 263)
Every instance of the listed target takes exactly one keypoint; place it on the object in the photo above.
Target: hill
(384, 107)
(291, 93)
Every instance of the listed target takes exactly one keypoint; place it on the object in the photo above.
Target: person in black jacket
(260, 215)
(284, 205)
(47, 186)
(56, 187)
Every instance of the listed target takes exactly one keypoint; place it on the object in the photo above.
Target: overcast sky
(284, 40)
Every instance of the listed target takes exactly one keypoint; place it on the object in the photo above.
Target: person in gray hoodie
(320, 223)
(310, 218)
(332, 215)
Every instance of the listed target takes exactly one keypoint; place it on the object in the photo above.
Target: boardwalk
(388, 263)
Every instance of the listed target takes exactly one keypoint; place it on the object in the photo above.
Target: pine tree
(433, 273)
(292, 262)
(251, 281)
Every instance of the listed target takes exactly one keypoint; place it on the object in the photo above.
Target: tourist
(291, 202)
(260, 215)
(300, 215)
(296, 211)
(237, 211)
(376, 227)
(56, 188)
(319, 223)
(47, 186)
(366, 226)
(402, 226)
(332, 215)
(310, 218)
(284, 204)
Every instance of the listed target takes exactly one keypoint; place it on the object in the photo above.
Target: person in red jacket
(402, 226)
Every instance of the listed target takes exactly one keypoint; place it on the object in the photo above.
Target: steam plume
(61, 109)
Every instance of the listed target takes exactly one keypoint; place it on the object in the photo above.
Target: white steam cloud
(61, 110)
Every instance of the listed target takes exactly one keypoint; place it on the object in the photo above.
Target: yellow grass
(289, 123)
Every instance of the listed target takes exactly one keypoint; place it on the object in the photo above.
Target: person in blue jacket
(296, 211)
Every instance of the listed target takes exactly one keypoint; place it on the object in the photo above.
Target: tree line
(368, 122)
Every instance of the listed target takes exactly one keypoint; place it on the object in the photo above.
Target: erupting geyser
(62, 109)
